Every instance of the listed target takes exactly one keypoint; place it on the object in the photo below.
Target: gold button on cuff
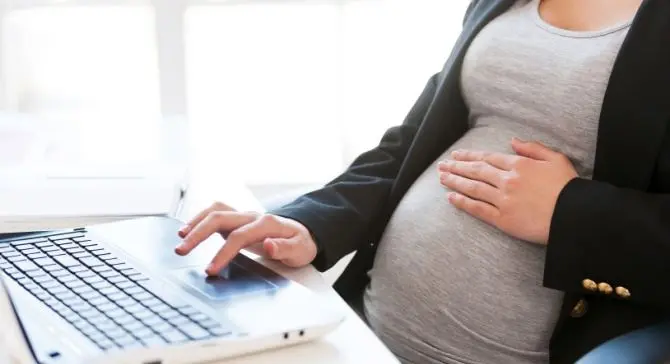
(622, 292)
(579, 310)
(590, 285)
(605, 288)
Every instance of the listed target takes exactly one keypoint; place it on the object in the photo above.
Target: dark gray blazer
(614, 228)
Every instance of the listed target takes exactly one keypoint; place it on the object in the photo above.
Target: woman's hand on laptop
(273, 236)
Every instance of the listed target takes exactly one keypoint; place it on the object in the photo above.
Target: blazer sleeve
(611, 235)
(339, 214)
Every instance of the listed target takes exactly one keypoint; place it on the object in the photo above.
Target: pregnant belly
(450, 280)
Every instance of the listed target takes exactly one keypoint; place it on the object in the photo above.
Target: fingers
(478, 209)
(254, 232)
(502, 161)
(474, 189)
(214, 222)
(479, 170)
(216, 206)
(533, 150)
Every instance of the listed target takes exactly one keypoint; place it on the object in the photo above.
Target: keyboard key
(127, 285)
(134, 290)
(82, 240)
(108, 257)
(74, 284)
(93, 247)
(75, 250)
(169, 314)
(98, 301)
(102, 284)
(154, 321)
(142, 314)
(10, 253)
(85, 274)
(36, 255)
(51, 268)
(152, 302)
(194, 331)
(28, 241)
(115, 332)
(83, 290)
(198, 317)
(55, 253)
(209, 323)
(101, 253)
(110, 274)
(82, 255)
(118, 279)
(122, 300)
(153, 340)
(17, 275)
(78, 268)
(220, 331)
(102, 268)
(57, 290)
(61, 241)
(107, 307)
(68, 246)
(133, 325)
(134, 308)
(18, 258)
(114, 261)
(93, 279)
(64, 278)
(51, 248)
(44, 244)
(43, 261)
(160, 308)
(24, 280)
(66, 261)
(91, 262)
(173, 336)
(42, 279)
(142, 296)
(111, 290)
(127, 341)
(25, 266)
(27, 249)
(91, 314)
(121, 318)
(180, 320)
(105, 344)
(61, 273)
(130, 272)
(138, 278)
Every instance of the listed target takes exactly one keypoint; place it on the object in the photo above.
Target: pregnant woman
(521, 213)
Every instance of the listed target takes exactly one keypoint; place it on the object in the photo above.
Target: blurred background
(282, 93)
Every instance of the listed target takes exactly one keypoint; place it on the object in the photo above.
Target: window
(277, 91)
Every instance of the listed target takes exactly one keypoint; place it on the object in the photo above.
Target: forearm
(339, 214)
(607, 234)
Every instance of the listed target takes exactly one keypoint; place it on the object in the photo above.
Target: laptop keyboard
(103, 297)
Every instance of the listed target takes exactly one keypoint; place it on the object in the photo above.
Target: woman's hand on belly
(515, 193)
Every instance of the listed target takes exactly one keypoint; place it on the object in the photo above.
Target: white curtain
(276, 91)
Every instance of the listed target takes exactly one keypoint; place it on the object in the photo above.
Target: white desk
(352, 342)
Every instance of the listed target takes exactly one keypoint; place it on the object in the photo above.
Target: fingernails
(518, 140)
(444, 165)
(456, 153)
(211, 270)
(180, 248)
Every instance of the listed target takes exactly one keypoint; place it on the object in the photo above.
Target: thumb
(279, 248)
(533, 150)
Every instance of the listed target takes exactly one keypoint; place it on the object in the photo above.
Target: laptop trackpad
(232, 281)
